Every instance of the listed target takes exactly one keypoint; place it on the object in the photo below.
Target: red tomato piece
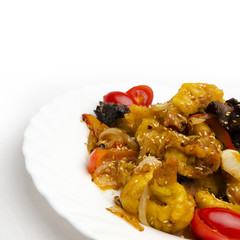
(202, 231)
(142, 94)
(119, 98)
(225, 221)
(99, 155)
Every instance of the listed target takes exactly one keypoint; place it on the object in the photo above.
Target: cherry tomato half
(119, 98)
(225, 221)
(203, 231)
(216, 224)
(142, 94)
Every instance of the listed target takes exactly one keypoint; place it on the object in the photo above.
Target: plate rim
(35, 180)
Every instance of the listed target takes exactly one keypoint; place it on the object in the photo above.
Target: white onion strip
(142, 214)
(130, 218)
(199, 118)
(118, 135)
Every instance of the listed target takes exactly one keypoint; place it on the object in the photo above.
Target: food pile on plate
(176, 163)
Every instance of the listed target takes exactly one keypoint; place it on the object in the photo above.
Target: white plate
(56, 157)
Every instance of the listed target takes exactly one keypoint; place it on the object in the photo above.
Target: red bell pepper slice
(220, 133)
(99, 155)
(94, 124)
(217, 128)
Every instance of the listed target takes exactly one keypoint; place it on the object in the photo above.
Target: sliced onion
(231, 162)
(161, 106)
(195, 121)
(130, 218)
(118, 135)
(142, 214)
(200, 117)
(105, 183)
(147, 163)
(101, 169)
(103, 179)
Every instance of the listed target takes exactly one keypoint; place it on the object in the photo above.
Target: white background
(49, 47)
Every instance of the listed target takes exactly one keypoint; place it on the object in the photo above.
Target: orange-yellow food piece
(192, 97)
